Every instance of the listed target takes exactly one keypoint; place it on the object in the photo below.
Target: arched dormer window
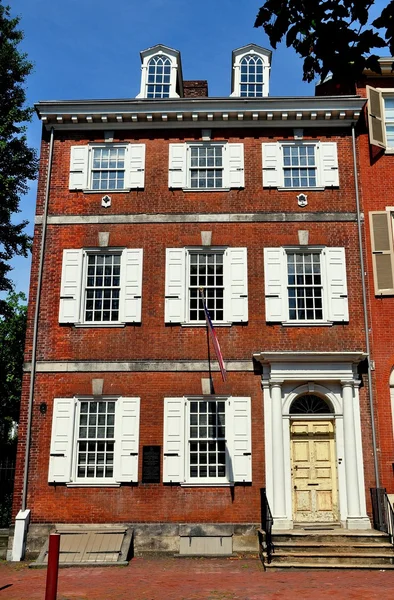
(159, 77)
(251, 83)
(161, 73)
(251, 69)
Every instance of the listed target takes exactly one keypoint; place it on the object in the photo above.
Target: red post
(53, 566)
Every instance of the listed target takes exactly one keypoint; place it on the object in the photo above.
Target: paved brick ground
(195, 579)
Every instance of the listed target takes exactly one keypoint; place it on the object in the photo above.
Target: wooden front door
(314, 476)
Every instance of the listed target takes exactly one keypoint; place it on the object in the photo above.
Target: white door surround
(332, 375)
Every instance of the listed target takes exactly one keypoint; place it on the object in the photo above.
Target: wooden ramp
(91, 545)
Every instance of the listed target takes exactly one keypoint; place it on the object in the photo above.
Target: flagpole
(212, 389)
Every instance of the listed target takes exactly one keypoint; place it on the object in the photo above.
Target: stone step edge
(354, 567)
(305, 544)
(332, 554)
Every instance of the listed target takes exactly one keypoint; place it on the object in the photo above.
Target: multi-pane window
(251, 84)
(102, 290)
(206, 166)
(389, 120)
(108, 168)
(207, 439)
(96, 433)
(299, 165)
(206, 273)
(159, 74)
(304, 286)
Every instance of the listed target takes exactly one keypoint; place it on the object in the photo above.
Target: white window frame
(163, 52)
(223, 321)
(74, 286)
(326, 158)
(63, 461)
(176, 445)
(235, 297)
(334, 285)
(179, 175)
(238, 55)
(81, 167)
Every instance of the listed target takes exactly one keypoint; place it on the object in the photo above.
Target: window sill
(206, 189)
(94, 325)
(308, 323)
(106, 192)
(204, 324)
(92, 485)
(189, 484)
(301, 189)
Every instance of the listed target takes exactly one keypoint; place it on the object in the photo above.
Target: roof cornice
(326, 111)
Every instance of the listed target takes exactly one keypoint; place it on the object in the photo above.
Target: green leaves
(332, 36)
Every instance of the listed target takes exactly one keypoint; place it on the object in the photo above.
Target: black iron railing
(383, 513)
(266, 524)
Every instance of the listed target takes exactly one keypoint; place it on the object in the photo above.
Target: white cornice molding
(308, 357)
(199, 112)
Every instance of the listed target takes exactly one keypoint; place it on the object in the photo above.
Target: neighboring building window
(159, 73)
(206, 272)
(389, 120)
(305, 286)
(381, 225)
(206, 166)
(381, 117)
(304, 289)
(251, 84)
(300, 165)
(207, 440)
(222, 275)
(101, 287)
(102, 292)
(94, 441)
(108, 167)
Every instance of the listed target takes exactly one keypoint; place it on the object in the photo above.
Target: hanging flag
(214, 338)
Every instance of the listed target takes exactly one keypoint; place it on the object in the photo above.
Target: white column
(278, 467)
(353, 503)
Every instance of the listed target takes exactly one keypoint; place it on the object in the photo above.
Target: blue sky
(90, 49)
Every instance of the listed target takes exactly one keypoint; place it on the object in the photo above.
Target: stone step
(307, 546)
(322, 537)
(342, 565)
(355, 558)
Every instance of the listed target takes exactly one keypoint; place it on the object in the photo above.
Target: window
(381, 230)
(221, 272)
(206, 166)
(305, 286)
(159, 74)
(250, 74)
(381, 117)
(300, 165)
(207, 440)
(107, 167)
(95, 441)
(101, 287)
(252, 69)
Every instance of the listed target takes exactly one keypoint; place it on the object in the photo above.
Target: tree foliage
(18, 162)
(12, 341)
(332, 36)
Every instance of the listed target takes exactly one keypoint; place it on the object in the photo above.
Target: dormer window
(161, 75)
(251, 67)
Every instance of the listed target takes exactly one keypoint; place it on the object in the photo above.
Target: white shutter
(329, 164)
(235, 162)
(62, 440)
(274, 275)
(381, 223)
(272, 165)
(236, 285)
(174, 440)
(240, 439)
(70, 288)
(175, 292)
(79, 168)
(376, 125)
(127, 429)
(177, 168)
(136, 166)
(337, 286)
(131, 285)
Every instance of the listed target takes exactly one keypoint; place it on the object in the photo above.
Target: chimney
(195, 89)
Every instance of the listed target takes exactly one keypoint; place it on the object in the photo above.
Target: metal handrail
(383, 513)
(266, 524)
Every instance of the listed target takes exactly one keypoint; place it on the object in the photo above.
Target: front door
(314, 476)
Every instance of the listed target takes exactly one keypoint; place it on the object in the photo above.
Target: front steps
(328, 549)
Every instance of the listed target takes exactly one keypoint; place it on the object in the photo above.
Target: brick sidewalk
(194, 579)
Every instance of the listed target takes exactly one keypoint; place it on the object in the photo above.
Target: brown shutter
(382, 252)
(376, 126)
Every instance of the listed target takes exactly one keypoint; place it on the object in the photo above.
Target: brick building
(141, 203)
